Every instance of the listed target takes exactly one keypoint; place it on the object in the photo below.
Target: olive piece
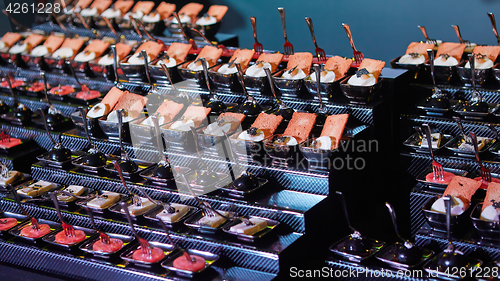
(59, 154)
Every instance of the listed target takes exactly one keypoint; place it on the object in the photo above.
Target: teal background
(381, 29)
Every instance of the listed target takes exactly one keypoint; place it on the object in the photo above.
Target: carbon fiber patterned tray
(234, 255)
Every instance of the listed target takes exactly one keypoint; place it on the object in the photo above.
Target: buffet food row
(171, 137)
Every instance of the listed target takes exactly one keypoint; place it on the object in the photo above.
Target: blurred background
(380, 29)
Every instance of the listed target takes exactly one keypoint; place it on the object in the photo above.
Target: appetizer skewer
(93, 157)
(105, 243)
(189, 262)
(145, 252)
(69, 235)
(58, 153)
(34, 229)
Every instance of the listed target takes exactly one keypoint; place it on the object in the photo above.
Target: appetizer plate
(127, 255)
(68, 203)
(434, 111)
(117, 209)
(433, 268)
(415, 142)
(58, 125)
(396, 64)
(338, 248)
(21, 219)
(19, 180)
(192, 222)
(79, 162)
(488, 230)
(360, 94)
(316, 155)
(233, 192)
(388, 256)
(148, 175)
(192, 176)
(454, 144)
(100, 210)
(328, 90)
(55, 186)
(210, 258)
(16, 231)
(437, 220)
(151, 215)
(51, 238)
(271, 224)
(459, 108)
(280, 151)
(44, 158)
(87, 246)
(421, 177)
(465, 74)
(142, 165)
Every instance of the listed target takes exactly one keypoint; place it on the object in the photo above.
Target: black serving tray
(433, 269)
(151, 215)
(233, 192)
(50, 238)
(167, 250)
(117, 209)
(21, 219)
(100, 211)
(453, 145)
(148, 175)
(16, 231)
(25, 184)
(210, 258)
(414, 142)
(458, 108)
(191, 177)
(87, 245)
(438, 220)
(271, 225)
(192, 222)
(142, 165)
(75, 156)
(87, 168)
(337, 247)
